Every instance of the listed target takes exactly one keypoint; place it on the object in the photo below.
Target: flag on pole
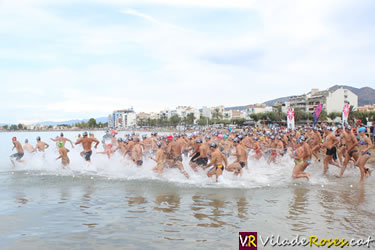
(345, 114)
(290, 118)
(317, 112)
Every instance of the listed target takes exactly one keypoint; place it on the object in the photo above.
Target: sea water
(113, 204)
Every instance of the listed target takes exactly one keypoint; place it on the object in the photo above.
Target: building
(256, 109)
(337, 99)
(367, 108)
(206, 112)
(333, 101)
(122, 118)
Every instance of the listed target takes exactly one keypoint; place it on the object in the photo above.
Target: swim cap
(84, 134)
(144, 136)
(236, 140)
(60, 144)
(14, 138)
(272, 137)
(159, 144)
(279, 137)
(119, 139)
(362, 130)
(213, 145)
(190, 137)
(130, 138)
(170, 138)
(208, 137)
(348, 128)
(339, 126)
(302, 138)
(26, 141)
(62, 134)
(225, 137)
(256, 138)
(220, 136)
(38, 138)
(199, 141)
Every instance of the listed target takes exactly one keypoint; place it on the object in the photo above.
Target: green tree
(13, 127)
(333, 115)
(238, 121)
(190, 118)
(202, 121)
(20, 126)
(217, 114)
(255, 117)
(5, 127)
(175, 120)
(91, 123)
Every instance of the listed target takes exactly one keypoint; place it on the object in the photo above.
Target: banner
(317, 112)
(345, 114)
(290, 118)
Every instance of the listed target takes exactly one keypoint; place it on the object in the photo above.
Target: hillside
(366, 95)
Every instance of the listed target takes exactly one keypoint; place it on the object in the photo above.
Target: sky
(62, 60)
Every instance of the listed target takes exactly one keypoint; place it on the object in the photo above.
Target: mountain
(72, 122)
(278, 100)
(366, 95)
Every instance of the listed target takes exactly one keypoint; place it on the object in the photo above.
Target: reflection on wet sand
(298, 208)
(328, 203)
(242, 207)
(21, 198)
(167, 203)
(216, 212)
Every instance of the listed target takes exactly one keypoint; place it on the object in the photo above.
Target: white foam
(259, 174)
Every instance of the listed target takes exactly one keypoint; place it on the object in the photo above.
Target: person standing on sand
(86, 144)
(20, 153)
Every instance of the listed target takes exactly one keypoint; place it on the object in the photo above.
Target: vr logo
(248, 240)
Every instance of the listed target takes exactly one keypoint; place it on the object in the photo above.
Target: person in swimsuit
(86, 144)
(159, 159)
(218, 161)
(365, 144)
(20, 153)
(63, 154)
(298, 155)
(241, 158)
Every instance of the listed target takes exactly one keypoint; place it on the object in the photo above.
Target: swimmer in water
(298, 155)
(63, 140)
(87, 144)
(218, 161)
(41, 146)
(159, 159)
(28, 147)
(174, 150)
(20, 153)
(63, 154)
(365, 144)
(241, 158)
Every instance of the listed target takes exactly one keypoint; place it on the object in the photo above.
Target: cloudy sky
(72, 59)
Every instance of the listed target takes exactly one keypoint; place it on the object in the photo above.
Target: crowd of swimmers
(212, 149)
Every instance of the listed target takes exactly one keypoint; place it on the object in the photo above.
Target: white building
(129, 119)
(338, 98)
(206, 112)
(333, 101)
(122, 118)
